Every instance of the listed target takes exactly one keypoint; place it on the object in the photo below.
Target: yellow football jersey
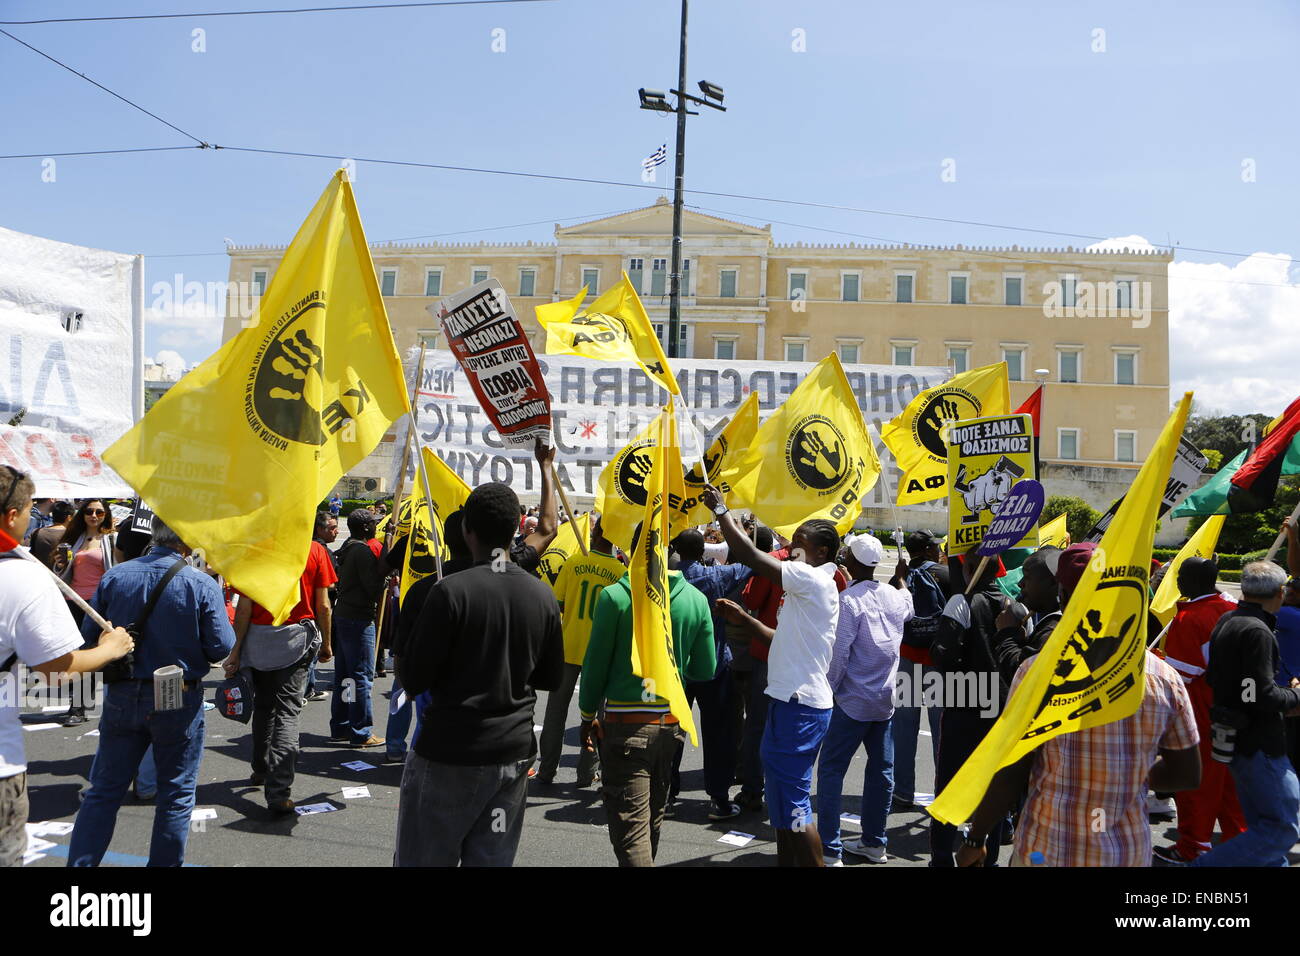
(582, 577)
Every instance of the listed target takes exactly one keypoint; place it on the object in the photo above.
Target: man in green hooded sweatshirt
(636, 734)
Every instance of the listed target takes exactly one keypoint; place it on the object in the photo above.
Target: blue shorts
(791, 739)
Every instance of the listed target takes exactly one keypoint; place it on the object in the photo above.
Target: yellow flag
(734, 439)
(812, 459)
(653, 659)
(1199, 545)
(1091, 671)
(447, 492)
(564, 546)
(615, 328)
(237, 454)
(621, 488)
(915, 436)
(1054, 534)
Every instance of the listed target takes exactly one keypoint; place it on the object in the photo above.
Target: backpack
(928, 600)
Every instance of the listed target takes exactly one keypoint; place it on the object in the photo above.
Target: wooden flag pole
(979, 571)
(1281, 536)
(568, 510)
(889, 494)
(397, 501)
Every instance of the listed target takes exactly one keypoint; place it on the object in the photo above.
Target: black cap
(918, 541)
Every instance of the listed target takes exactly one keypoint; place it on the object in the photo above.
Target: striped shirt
(1087, 803)
(864, 663)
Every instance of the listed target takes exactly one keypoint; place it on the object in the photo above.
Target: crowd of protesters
(795, 655)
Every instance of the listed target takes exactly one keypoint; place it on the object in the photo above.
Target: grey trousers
(449, 814)
(277, 702)
(13, 819)
(557, 715)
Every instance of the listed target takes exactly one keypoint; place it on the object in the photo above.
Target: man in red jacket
(1186, 648)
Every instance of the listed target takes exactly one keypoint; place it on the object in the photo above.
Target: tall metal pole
(675, 288)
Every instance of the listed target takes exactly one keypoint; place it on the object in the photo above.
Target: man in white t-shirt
(801, 646)
(37, 630)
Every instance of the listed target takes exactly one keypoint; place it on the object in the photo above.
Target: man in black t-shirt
(486, 640)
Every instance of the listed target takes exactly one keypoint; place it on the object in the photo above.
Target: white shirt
(805, 635)
(34, 622)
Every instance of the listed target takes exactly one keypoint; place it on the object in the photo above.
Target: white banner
(71, 361)
(598, 408)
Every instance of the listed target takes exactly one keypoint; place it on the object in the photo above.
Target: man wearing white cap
(864, 665)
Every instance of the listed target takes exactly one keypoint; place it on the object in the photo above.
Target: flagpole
(433, 527)
(1281, 536)
(889, 493)
(397, 500)
(568, 510)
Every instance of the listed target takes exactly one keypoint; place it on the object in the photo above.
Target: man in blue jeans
(188, 627)
(863, 667)
(362, 571)
(1243, 660)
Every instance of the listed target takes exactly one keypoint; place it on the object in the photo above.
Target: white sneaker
(872, 854)
(832, 860)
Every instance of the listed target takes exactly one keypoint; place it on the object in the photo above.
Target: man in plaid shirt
(1086, 803)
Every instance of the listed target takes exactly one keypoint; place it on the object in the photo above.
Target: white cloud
(1232, 334)
(173, 362)
(189, 326)
(1122, 244)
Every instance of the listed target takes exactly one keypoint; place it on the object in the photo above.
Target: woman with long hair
(88, 549)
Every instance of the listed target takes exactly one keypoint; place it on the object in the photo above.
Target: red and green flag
(1248, 483)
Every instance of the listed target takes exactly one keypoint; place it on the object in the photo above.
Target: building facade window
(480, 274)
(957, 289)
(1125, 445)
(724, 349)
(1069, 290)
(1067, 443)
(904, 283)
(727, 283)
(1015, 359)
(659, 277)
(1013, 290)
(797, 285)
(527, 282)
(683, 338)
(433, 282)
(1068, 363)
(903, 354)
(849, 353)
(1124, 293)
(591, 279)
(259, 281)
(636, 274)
(1125, 368)
(959, 358)
(795, 350)
(686, 278)
(388, 282)
(849, 286)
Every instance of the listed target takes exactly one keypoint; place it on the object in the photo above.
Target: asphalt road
(564, 826)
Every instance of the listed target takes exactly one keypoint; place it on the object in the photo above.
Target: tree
(1080, 516)
(1226, 434)
(1213, 459)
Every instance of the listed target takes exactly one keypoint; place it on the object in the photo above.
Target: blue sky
(1146, 138)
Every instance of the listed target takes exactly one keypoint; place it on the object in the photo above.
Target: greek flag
(657, 158)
